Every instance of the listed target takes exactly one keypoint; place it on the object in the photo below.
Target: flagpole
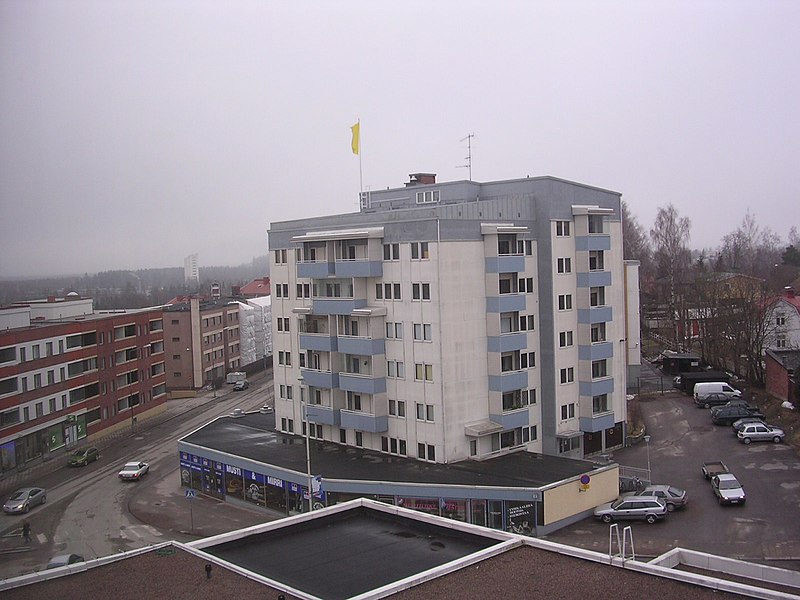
(360, 174)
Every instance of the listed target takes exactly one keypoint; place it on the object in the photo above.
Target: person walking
(26, 532)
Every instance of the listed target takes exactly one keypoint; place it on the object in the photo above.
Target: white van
(703, 389)
(235, 377)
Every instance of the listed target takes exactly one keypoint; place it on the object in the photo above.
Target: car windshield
(79, 453)
(19, 495)
(131, 466)
(729, 485)
(616, 503)
(675, 491)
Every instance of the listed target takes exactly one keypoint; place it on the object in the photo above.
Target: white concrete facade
(437, 327)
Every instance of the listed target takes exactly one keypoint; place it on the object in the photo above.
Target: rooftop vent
(421, 179)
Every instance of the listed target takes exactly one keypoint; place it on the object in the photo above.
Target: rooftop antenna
(468, 158)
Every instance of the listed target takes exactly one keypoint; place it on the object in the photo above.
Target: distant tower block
(191, 272)
(215, 291)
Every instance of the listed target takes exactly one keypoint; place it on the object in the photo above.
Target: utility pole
(468, 158)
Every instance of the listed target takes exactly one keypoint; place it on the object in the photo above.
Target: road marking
(140, 532)
(42, 538)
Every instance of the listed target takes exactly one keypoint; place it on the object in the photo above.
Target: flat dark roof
(346, 554)
(253, 436)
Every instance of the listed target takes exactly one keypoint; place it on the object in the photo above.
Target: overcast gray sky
(133, 133)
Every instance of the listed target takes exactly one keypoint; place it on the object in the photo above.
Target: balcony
(597, 351)
(318, 341)
(598, 314)
(361, 345)
(360, 421)
(594, 279)
(324, 415)
(508, 342)
(597, 422)
(315, 269)
(508, 382)
(597, 387)
(505, 263)
(358, 268)
(362, 383)
(337, 306)
(320, 379)
(505, 303)
(595, 241)
(512, 419)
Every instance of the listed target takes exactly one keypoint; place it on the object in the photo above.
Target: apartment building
(449, 321)
(202, 343)
(68, 373)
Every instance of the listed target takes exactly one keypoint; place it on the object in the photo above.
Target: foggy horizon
(133, 134)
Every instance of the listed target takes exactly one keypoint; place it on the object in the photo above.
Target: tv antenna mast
(469, 154)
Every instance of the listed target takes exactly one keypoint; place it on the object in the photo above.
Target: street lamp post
(647, 444)
(308, 450)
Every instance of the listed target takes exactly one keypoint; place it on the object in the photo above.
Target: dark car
(241, 385)
(82, 457)
(726, 415)
(712, 399)
(62, 560)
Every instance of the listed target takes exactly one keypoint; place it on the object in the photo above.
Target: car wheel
(26, 509)
(650, 519)
(607, 518)
(746, 440)
(777, 439)
(707, 405)
(720, 500)
(44, 499)
(670, 507)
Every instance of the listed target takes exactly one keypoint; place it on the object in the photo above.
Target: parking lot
(766, 528)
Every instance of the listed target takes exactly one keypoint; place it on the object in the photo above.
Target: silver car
(760, 432)
(24, 499)
(649, 508)
(671, 496)
(134, 471)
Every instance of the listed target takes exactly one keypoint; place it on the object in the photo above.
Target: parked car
(241, 385)
(760, 432)
(671, 496)
(82, 457)
(737, 425)
(133, 471)
(727, 489)
(62, 560)
(649, 508)
(24, 499)
(726, 415)
(712, 399)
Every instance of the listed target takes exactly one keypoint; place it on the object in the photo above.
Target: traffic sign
(190, 494)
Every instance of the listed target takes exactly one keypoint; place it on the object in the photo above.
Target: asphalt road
(765, 529)
(87, 508)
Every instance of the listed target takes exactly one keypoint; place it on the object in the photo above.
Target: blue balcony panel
(320, 379)
(505, 303)
(362, 384)
(359, 268)
(597, 423)
(596, 351)
(508, 382)
(513, 419)
(337, 306)
(508, 342)
(316, 341)
(594, 279)
(599, 314)
(361, 345)
(596, 241)
(363, 421)
(324, 415)
(505, 264)
(596, 388)
(315, 270)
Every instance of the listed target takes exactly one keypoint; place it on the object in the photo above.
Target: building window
(359, 439)
(425, 412)
(423, 372)
(562, 228)
(598, 332)
(285, 358)
(596, 262)
(423, 332)
(419, 251)
(780, 320)
(527, 360)
(780, 340)
(567, 411)
(353, 401)
(565, 265)
(283, 324)
(565, 302)
(568, 444)
(280, 257)
(304, 290)
(525, 285)
(526, 323)
(565, 339)
(37, 381)
(596, 223)
(600, 404)
(599, 369)
(394, 330)
(387, 291)
(568, 375)
(395, 369)
(597, 296)
(391, 252)
(281, 290)
(420, 291)
(343, 436)
(427, 197)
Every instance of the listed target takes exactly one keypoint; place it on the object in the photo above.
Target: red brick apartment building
(68, 373)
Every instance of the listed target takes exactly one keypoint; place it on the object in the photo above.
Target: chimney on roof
(789, 291)
(51, 298)
(421, 179)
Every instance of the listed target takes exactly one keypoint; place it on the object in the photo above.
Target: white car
(133, 471)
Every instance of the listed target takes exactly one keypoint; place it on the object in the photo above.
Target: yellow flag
(355, 144)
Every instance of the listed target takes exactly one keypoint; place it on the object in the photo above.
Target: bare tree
(635, 245)
(670, 236)
(750, 249)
